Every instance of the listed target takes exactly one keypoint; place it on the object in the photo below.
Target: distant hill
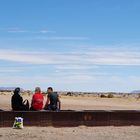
(8, 89)
(136, 92)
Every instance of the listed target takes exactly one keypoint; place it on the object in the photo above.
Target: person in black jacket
(17, 102)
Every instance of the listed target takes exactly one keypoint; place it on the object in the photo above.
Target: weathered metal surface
(73, 118)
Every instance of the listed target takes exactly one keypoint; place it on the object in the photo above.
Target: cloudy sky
(79, 45)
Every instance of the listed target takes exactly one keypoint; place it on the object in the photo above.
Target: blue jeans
(51, 108)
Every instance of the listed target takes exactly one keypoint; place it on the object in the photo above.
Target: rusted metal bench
(73, 118)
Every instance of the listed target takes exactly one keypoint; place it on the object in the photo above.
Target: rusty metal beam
(73, 118)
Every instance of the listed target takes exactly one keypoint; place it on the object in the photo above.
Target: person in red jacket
(37, 100)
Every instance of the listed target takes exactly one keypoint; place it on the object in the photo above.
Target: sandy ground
(84, 103)
(77, 133)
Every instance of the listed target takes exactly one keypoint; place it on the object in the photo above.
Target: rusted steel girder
(73, 118)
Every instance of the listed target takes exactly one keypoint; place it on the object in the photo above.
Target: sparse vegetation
(138, 96)
(110, 95)
(103, 96)
(69, 94)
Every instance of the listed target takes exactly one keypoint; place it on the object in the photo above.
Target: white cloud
(76, 82)
(47, 31)
(78, 59)
(72, 69)
(25, 57)
(61, 38)
(9, 70)
(40, 34)
(19, 30)
(8, 29)
(75, 67)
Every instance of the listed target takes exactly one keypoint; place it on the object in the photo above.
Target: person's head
(37, 89)
(49, 90)
(17, 90)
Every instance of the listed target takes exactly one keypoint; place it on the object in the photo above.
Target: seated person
(17, 102)
(37, 100)
(52, 101)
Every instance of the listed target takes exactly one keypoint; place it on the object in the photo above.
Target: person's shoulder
(56, 93)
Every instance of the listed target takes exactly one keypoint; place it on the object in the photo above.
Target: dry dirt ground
(84, 103)
(76, 133)
(73, 133)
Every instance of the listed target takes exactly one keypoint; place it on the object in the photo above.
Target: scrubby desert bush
(138, 96)
(103, 96)
(69, 94)
(110, 95)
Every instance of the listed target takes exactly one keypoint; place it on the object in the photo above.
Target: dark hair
(37, 89)
(50, 88)
(17, 90)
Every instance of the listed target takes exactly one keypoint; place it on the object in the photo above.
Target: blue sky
(79, 45)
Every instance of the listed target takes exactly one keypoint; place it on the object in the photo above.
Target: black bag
(26, 105)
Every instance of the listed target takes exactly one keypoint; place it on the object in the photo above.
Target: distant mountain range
(7, 88)
(135, 91)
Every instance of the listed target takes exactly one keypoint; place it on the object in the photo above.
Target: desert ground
(84, 102)
(77, 133)
(80, 102)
